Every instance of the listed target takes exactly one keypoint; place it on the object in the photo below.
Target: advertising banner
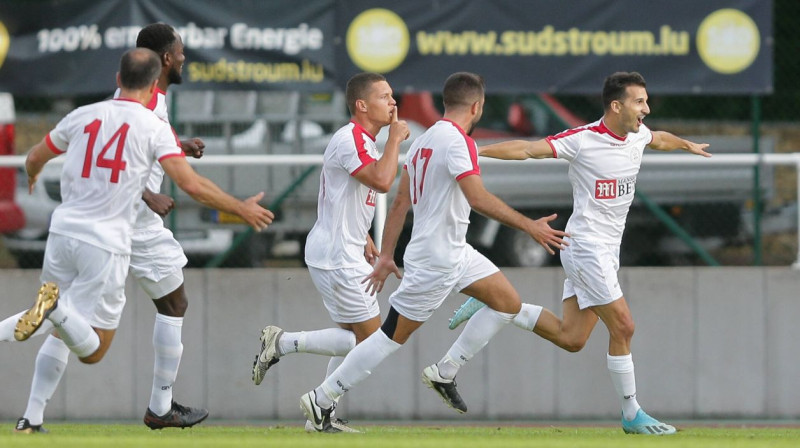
(66, 47)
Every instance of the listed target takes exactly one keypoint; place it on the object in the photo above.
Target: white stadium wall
(710, 342)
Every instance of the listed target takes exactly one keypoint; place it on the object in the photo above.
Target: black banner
(64, 47)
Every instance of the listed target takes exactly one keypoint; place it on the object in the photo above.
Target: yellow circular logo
(728, 41)
(377, 40)
(5, 40)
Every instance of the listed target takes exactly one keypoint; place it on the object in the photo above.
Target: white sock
(527, 316)
(74, 331)
(8, 325)
(328, 342)
(51, 361)
(357, 365)
(168, 350)
(334, 364)
(476, 334)
(621, 369)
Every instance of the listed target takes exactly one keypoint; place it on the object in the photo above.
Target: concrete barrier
(710, 342)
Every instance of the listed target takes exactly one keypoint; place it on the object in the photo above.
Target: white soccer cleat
(269, 354)
(445, 388)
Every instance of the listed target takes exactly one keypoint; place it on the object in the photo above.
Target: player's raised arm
(517, 150)
(380, 175)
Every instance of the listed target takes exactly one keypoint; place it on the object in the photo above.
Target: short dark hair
(615, 85)
(139, 68)
(463, 89)
(358, 87)
(158, 37)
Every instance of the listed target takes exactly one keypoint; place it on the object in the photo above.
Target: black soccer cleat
(178, 416)
(25, 427)
(445, 388)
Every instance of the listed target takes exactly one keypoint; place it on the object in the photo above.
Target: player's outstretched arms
(664, 141)
(207, 193)
(517, 150)
(157, 202)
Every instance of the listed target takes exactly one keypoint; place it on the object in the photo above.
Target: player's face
(380, 103)
(177, 58)
(633, 108)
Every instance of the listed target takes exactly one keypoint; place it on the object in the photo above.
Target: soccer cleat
(177, 417)
(269, 355)
(465, 311)
(336, 423)
(25, 427)
(320, 418)
(644, 424)
(445, 388)
(45, 302)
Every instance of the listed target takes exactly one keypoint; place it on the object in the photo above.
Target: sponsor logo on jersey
(614, 188)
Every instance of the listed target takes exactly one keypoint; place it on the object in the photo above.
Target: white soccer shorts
(157, 261)
(591, 270)
(422, 291)
(344, 295)
(91, 280)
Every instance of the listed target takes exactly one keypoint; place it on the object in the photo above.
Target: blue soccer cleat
(644, 424)
(465, 311)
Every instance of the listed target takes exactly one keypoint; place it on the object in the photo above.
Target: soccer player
(339, 250)
(604, 157)
(157, 262)
(442, 182)
(110, 148)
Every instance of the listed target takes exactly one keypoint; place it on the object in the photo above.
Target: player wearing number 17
(109, 149)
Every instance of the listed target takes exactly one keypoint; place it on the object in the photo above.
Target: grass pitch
(482, 435)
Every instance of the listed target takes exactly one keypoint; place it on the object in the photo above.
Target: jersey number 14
(116, 164)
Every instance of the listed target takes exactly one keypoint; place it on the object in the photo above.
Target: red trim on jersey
(358, 137)
(52, 145)
(473, 151)
(177, 139)
(154, 99)
(599, 129)
(169, 156)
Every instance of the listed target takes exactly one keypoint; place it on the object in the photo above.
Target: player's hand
(545, 235)
(193, 147)
(371, 252)
(380, 271)
(254, 214)
(398, 129)
(699, 149)
(159, 203)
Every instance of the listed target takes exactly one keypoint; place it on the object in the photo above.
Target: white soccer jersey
(345, 206)
(110, 148)
(603, 169)
(437, 160)
(146, 218)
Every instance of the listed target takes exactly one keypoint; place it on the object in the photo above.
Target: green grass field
(481, 435)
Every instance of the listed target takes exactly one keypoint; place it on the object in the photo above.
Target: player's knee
(573, 344)
(623, 329)
(173, 304)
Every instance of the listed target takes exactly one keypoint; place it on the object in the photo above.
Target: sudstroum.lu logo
(377, 40)
(728, 41)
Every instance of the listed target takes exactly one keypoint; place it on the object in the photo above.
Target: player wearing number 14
(109, 149)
